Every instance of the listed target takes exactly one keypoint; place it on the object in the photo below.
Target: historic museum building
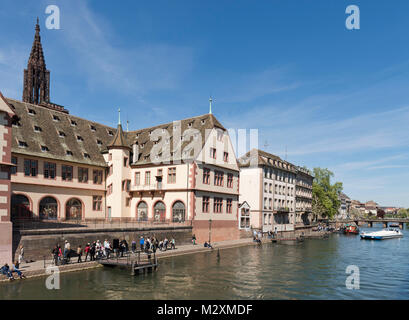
(61, 167)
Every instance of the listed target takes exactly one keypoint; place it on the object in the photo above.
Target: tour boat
(351, 229)
(389, 233)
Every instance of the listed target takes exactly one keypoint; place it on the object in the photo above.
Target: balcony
(282, 209)
(147, 187)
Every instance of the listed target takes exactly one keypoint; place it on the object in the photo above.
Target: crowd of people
(98, 250)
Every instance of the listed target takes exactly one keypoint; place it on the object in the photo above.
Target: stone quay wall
(39, 243)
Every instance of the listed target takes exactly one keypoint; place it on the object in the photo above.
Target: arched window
(178, 211)
(142, 211)
(159, 211)
(48, 208)
(73, 209)
(20, 207)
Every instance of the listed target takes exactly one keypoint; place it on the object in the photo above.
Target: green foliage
(403, 213)
(325, 195)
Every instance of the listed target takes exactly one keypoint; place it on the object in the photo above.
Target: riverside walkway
(39, 267)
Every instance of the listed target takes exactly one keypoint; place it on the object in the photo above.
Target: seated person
(5, 270)
(15, 269)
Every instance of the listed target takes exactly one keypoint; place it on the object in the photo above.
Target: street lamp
(210, 229)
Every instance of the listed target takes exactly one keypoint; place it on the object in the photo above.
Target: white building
(267, 184)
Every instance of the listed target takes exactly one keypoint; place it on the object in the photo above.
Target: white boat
(389, 233)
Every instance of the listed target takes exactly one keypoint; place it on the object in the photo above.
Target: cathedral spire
(36, 86)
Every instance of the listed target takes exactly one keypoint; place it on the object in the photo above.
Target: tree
(402, 213)
(325, 196)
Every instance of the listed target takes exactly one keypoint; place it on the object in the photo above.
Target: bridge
(369, 222)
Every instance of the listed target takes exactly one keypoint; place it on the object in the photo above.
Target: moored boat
(389, 233)
(351, 229)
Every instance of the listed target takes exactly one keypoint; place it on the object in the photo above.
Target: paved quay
(38, 268)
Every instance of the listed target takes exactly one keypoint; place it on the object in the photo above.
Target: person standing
(79, 253)
(92, 251)
(55, 254)
(21, 254)
(87, 253)
(142, 243)
(133, 245)
(194, 239)
(172, 244)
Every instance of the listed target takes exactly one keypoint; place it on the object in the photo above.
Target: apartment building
(303, 196)
(268, 185)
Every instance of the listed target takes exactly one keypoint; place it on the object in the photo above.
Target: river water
(315, 269)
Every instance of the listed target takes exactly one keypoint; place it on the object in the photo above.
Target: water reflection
(314, 269)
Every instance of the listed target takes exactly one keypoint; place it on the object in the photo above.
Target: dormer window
(99, 142)
(15, 122)
(190, 124)
(110, 133)
(93, 129)
(163, 130)
(61, 134)
(56, 118)
(22, 144)
(86, 155)
(69, 153)
(73, 123)
(31, 111)
(137, 136)
(146, 157)
(79, 138)
(203, 121)
(142, 145)
(37, 129)
(44, 149)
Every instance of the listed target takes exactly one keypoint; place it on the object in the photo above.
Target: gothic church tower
(36, 86)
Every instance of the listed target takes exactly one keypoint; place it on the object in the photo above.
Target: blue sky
(332, 97)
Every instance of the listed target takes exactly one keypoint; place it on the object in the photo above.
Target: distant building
(344, 209)
(359, 206)
(371, 207)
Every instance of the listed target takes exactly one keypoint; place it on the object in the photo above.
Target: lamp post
(210, 229)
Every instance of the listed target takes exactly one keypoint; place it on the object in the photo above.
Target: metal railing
(38, 224)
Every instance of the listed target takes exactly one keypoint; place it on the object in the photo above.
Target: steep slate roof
(265, 159)
(142, 137)
(50, 138)
(58, 146)
(119, 139)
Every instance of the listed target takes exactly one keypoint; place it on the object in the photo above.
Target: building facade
(268, 185)
(303, 197)
(6, 114)
(63, 167)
